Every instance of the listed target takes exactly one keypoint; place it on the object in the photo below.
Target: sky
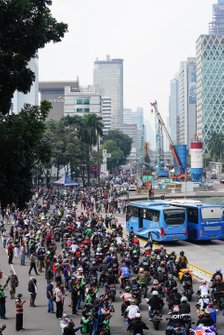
(151, 36)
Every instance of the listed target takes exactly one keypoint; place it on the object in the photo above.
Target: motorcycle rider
(186, 279)
(124, 274)
(182, 261)
(131, 311)
(137, 325)
(126, 298)
(205, 319)
(185, 307)
(155, 303)
(170, 284)
(203, 289)
(217, 272)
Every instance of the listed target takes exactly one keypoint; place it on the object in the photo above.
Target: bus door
(193, 223)
(140, 218)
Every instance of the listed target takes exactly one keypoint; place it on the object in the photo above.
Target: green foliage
(216, 146)
(72, 140)
(119, 145)
(21, 148)
(123, 141)
(25, 27)
(117, 154)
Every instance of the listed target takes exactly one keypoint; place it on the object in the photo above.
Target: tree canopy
(216, 146)
(25, 27)
(22, 147)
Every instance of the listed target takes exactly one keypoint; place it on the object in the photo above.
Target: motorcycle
(188, 291)
(155, 318)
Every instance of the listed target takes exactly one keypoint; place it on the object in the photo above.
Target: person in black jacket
(185, 307)
(32, 288)
(69, 329)
(137, 326)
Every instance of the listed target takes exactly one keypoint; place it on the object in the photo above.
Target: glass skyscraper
(108, 76)
(216, 27)
(210, 86)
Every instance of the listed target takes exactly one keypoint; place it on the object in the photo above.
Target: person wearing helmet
(124, 274)
(126, 298)
(186, 279)
(205, 319)
(137, 326)
(176, 319)
(182, 261)
(203, 289)
(212, 311)
(173, 298)
(185, 307)
(217, 272)
(202, 302)
(170, 284)
(155, 303)
(131, 311)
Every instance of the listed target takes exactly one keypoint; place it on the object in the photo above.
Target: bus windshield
(212, 213)
(174, 216)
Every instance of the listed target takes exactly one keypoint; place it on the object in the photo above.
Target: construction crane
(160, 127)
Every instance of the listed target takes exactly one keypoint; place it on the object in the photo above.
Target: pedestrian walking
(32, 264)
(59, 299)
(50, 296)
(19, 312)
(10, 250)
(13, 283)
(2, 302)
(23, 254)
(32, 288)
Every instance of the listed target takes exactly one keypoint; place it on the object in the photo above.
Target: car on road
(222, 180)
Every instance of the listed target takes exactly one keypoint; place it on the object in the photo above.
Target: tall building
(173, 109)
(210, 89)
(216, 27)
(108, 76)
(106, 114)
(19, 98)
(187, 101)
(83, 101)
(53, 91)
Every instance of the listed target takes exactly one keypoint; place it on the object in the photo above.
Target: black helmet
(182, 253)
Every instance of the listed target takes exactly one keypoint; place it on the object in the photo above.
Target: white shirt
(204, 290)
(132, 310)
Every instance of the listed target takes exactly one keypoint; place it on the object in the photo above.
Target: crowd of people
(73, 238)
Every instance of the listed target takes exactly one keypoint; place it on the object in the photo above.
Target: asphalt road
(38, 321)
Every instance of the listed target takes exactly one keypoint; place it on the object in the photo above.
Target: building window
(81, 110)
(83, 101)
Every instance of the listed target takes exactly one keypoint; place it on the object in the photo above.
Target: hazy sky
(152, 36)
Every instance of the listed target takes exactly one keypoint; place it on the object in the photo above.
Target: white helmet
(155, 292)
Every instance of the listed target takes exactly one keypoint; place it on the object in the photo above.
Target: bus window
(132, 212)
(174, 216)
(209, 213)
(192, 214)
(152, 215)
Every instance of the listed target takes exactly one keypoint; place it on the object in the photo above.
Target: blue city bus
(157, 221)
(205, 222)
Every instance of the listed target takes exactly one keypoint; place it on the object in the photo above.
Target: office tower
(53, 91)
(106, 113)
(210, 90)
(173, 109)
(216, 27)
(19, 98)
(108, 76)
(187, 101)
(83, 101)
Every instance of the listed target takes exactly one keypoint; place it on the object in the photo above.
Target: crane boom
(172, 148)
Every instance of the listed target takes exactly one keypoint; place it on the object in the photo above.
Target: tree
(117, 154)
(25, 27)
(123, 141)
(216, 146)
(22, 147)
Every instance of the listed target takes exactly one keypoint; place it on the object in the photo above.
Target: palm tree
(90, 130)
